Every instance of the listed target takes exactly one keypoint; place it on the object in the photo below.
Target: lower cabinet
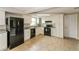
(3, 41)
(53, 32)
(39, 30)
(26, 34)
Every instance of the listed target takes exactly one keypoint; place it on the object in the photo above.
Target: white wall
(61, 17)
(70, 25)
(78, 26)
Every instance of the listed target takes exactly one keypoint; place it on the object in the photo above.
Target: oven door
(47, 31)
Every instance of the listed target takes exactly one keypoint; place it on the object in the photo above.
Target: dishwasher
(33, 32)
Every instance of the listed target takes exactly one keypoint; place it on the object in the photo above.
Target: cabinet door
(19, 24)
(53, 32)
(39, 30)
(2, 18)
(27, 19)
(26, 34)
(3, 41)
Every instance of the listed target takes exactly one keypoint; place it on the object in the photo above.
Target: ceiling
(23, 10)
(31, 9)
(61, 10)
(40, 10)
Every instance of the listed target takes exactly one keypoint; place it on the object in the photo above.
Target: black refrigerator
(15, 31)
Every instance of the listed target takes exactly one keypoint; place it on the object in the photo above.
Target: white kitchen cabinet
(57, 21)
(39, 30)
(3, 41)
(53, 32)
(2, 18)
(27, 19)
(26, 34)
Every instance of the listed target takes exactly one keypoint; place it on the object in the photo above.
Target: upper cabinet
(27, 19)
(2, 18)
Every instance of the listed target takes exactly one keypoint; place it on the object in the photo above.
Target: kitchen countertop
(29, 27)
(36, 27)
(2, 31)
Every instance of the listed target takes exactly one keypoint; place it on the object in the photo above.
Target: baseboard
(69, 38)
(6, 49)
(58, 37)
(77, 38)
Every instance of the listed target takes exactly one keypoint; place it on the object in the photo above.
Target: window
(34, 21)
(37, 20)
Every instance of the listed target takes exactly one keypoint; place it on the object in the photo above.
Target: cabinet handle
(46, 30)
(18, 23)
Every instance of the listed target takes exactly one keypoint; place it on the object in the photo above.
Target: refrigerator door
(19, 26)
(20, 30)
(16, 36)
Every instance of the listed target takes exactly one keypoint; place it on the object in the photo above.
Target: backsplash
(26, 25)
